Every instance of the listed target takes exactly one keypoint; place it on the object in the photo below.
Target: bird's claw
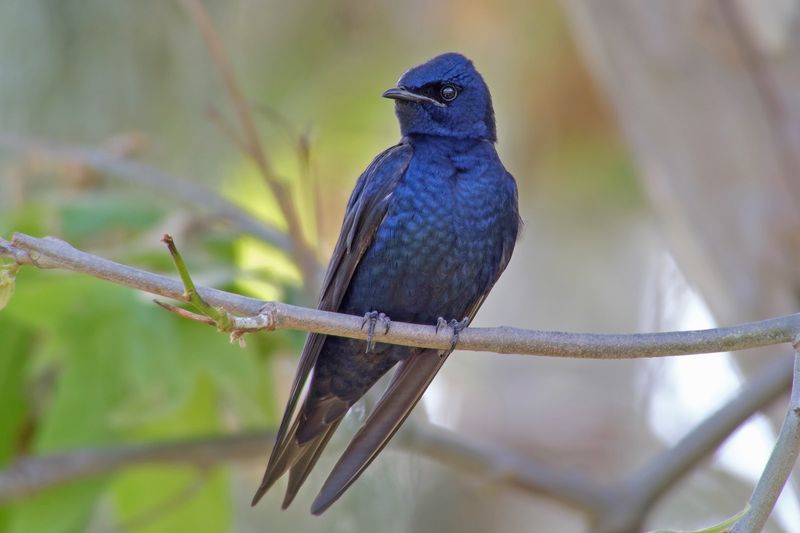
(457, 327)
(372, 318)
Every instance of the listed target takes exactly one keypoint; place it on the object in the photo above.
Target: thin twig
(307, 177)
(182, 189)
(222, 319)
(303, 254)
(781, 461)
(190, 294)
(226, 128)
(285, 126)
(50, 252)
(184, 313)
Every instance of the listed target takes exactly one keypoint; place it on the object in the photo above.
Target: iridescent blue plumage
(429, 228)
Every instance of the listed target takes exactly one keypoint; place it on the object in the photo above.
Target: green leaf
(48, 301)
(119, 368)
(92, 382)
(235, 371)
(177, 498)
(13, 407)
(61, 510)
(153, 363)
(92, 345)
(13, 365)
(96, 214)
(159, 499)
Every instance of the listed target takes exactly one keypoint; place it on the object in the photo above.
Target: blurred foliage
(84, 363)
(87, 363)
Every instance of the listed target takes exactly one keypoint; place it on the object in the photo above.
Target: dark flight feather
(363, 215)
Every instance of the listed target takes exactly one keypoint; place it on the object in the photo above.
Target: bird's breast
(437, 248)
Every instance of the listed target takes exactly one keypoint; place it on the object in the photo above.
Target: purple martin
(428, 229)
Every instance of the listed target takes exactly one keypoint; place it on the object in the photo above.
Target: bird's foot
(372, 318)
(455, 325)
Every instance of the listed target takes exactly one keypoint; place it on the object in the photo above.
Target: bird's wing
(409, 383)
(364, 213)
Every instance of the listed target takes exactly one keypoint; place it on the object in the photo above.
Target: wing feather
(365, 210)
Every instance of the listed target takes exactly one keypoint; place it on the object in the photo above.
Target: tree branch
(182, 189)
(35, 474)
(633, 497)
(50, 252)
(302, 252)
(619, 507)
(662, 471)
(781, 461)
(506, 467)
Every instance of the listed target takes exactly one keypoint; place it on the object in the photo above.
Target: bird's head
(445, 96)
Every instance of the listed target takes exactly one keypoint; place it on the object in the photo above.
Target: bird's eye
(448, 93)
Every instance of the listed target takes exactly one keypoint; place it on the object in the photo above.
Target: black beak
(402, 94)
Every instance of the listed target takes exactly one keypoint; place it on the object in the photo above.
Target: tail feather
(302, 446)
(305, 461)
(409, 383)
(282, 458)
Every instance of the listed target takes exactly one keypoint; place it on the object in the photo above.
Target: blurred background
(656, 149)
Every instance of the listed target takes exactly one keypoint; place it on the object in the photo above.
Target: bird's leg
(455, 325)
(372, 318)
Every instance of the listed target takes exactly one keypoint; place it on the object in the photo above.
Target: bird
(428, 229)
